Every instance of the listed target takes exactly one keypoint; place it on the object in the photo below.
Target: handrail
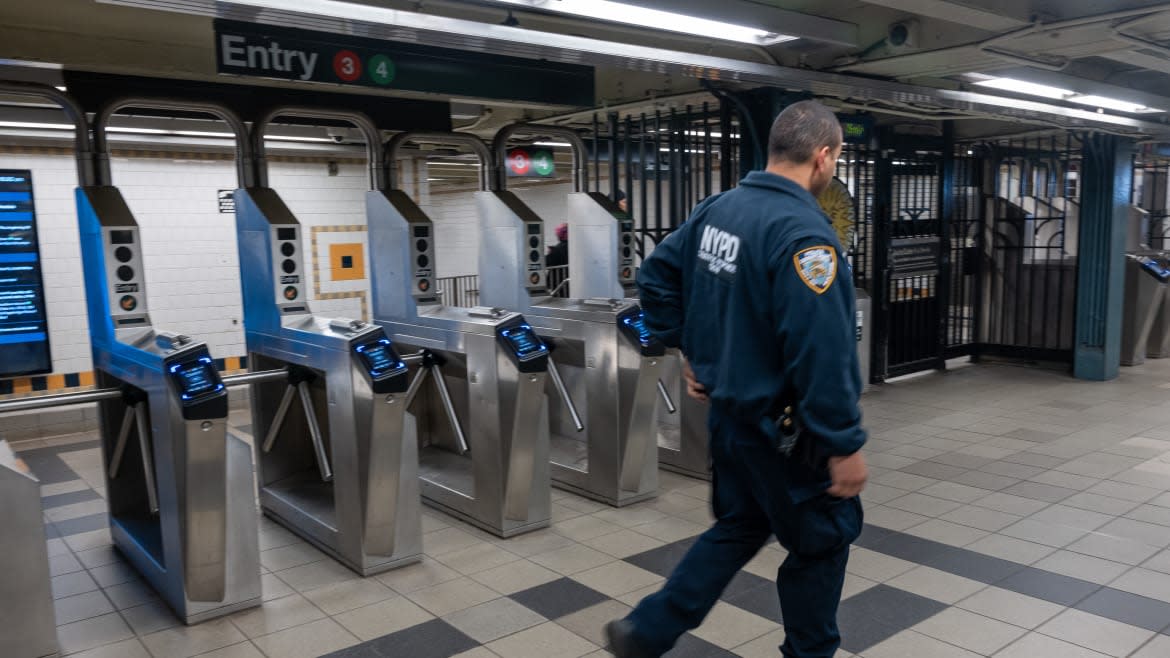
(244, 168)
(500, 147)
(358, 120)
(85, 160)
(476, 144)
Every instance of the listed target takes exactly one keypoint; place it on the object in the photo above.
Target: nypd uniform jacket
(754, 290)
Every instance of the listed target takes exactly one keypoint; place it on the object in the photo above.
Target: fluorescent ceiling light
(1113, 104)
(1029, 88)
(157, 131)
(669, 21)
(552, 144)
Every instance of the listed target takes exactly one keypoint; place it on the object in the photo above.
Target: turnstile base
(447, 470)
(303, 504)
(567, 485)
(569, 452)
(670, 457)
(448, 485)
(145, 564)
(668, 460)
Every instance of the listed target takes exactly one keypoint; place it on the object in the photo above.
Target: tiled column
(1107, 181)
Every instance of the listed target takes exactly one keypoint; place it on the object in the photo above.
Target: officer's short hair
(801, 130)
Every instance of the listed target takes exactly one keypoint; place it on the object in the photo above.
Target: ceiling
(1114, 48)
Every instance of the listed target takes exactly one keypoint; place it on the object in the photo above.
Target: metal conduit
(487, 164)
(363, 123)
(500, 147)
(244, 153)
(83, 397)
(85, 160)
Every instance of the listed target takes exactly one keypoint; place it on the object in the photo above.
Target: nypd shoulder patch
(817, 267)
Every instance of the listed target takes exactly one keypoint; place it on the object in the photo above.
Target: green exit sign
(857, 128)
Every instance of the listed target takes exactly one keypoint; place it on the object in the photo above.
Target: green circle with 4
(542, 162)
(381, 69)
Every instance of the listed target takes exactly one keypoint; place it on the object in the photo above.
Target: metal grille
(1151, 180)
(964, 238)
(1032, 230)
(912, 237)
(462, 291)
(665, 163)
(855, 169)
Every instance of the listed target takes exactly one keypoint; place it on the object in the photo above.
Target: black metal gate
(909, 264)
(1029, 284)
(1151, 185)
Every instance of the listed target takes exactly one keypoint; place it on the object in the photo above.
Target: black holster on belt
(791, 440)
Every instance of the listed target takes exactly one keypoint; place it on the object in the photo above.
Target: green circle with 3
(381, 69)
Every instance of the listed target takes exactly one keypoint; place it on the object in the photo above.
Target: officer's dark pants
(751, 504)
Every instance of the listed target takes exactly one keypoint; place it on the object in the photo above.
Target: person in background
(623, 202)
(750, 290)
(557, 262)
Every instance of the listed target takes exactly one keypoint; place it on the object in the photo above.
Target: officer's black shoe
(620, 634)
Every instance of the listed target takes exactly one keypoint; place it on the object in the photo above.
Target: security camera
(338, 135)
(337, 139)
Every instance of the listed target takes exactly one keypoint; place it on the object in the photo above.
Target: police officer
(755, 291)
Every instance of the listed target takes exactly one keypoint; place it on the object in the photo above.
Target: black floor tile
(744, 582)
(871, 535)
(71, 498)
(559, 598)
(47, 466)
(82, 524)
(879, 613)
(663, 559)
(363, 650)
(969, 564)
(761, 600)
(433, 639)
(909, 548)
(1048, 586)
(1127, 608)
(689, 646)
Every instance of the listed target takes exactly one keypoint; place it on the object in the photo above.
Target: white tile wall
(190, 255)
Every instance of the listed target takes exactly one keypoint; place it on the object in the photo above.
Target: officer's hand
(849, 475)
(694, 388)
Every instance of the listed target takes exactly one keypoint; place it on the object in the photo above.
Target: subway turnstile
(179, 487)
(603, 355)
(337, 455)
(483, 419)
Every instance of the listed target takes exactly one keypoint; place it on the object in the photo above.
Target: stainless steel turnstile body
(1145, 289)
(26, 595)
(611, 375)
(683, 439)
(180, 491)
(483, 434)
(1158, 345)
(337, 454)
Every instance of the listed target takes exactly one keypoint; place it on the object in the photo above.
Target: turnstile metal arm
(315, 432)
(278, 419)
(670, 408)
(432, 364)
(135, 416)
(559, 384)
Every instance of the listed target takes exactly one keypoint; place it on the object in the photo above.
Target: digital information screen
(380, 358)
(196, 378)
(524, 341)
(24, 324)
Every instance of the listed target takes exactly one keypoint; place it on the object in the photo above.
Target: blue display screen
(637, 322)
(524, 341)
(1156, 269)
(196, 378)
(24, 322)
(379, 357)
